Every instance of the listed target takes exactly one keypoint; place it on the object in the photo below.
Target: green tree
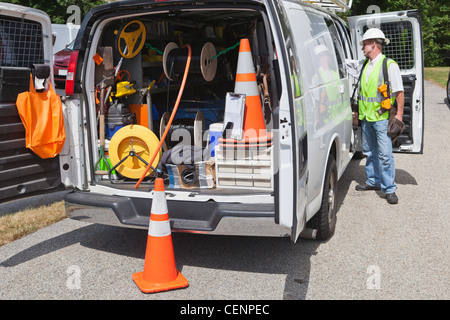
(435, 24)
(435, 19)
(57, 9)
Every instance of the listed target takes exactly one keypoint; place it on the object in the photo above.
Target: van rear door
(403, 29)
(25, 39)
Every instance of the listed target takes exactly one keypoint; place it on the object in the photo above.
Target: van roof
(116, 7)
(120, 6)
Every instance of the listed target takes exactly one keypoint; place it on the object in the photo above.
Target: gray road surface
(379, 251)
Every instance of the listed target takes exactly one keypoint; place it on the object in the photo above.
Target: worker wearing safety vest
(376, 143)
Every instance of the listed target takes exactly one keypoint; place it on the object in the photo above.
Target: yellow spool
(135, 138)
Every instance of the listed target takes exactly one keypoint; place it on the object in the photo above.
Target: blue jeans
(377, 147)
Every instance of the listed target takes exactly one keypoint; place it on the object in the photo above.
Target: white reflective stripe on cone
(159, 228)
(245, 63)
(159, 204)
(249, 88)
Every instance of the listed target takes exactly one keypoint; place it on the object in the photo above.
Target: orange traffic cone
(254, 126)
(159, 272)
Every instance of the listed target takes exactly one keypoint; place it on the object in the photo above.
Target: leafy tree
(435, 18)
(435, 23)
(57, 9)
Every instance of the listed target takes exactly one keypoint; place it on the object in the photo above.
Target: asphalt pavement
(379, 251)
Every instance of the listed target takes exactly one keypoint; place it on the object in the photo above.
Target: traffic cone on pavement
(160, 273)
(254, 126)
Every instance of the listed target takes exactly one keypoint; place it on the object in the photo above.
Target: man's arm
(400, 98)
(354, 67)
(396, 83)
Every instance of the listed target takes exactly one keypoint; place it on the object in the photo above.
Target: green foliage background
(435, 19)
(56, 9)
(435, 23)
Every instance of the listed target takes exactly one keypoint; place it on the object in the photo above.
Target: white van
(282, 186)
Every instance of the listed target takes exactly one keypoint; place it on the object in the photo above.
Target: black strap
(386, 76)
(360, 76)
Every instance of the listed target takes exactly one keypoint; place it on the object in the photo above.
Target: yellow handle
(386, 104)
(383, 90)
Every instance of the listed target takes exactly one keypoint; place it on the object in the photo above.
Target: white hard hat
(374, 33)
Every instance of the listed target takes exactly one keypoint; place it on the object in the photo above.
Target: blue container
(215, 132)
(109, 132)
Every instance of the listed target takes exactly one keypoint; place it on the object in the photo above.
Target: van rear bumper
(185, 216)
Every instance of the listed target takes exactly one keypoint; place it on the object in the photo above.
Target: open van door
(404, 30)
(290, 158)
(25, 39)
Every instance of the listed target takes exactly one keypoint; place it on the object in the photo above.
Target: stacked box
(238, 167)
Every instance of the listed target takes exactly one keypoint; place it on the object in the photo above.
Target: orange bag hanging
(42, 117)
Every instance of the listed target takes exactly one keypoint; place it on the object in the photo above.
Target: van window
(20, 42)
(401, 47)
(295, 76)
(315, 45)
(337, 44)
(344, 35)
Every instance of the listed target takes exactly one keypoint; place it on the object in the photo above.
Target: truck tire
(325, 219)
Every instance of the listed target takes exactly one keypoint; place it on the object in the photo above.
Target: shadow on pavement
(243, 254)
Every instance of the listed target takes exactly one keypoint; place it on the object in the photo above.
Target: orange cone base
(151, 287)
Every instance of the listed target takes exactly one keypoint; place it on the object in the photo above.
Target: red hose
(172, 116)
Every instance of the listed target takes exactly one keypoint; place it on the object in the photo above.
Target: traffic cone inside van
(254, 126)
(160, 273)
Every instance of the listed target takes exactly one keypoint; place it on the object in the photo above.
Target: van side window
(296, 76)
(294, 64)
(337, 44)
(344, 35)
(314, 46)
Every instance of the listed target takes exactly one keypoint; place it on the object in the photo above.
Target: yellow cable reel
(132, 144)
(131, 39)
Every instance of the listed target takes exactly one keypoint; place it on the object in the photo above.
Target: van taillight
(70, 78)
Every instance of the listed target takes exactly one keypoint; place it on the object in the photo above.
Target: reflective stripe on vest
(370, 98)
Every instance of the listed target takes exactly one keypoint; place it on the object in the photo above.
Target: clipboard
(234, 116)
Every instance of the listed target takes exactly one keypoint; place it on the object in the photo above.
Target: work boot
(366, 187)
(392, 198)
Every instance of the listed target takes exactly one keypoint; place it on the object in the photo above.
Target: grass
(437, 75)
(20, 224)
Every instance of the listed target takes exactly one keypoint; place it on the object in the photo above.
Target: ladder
(332, 5)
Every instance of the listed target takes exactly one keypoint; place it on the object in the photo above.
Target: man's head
(371, 48)
(372, 42)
